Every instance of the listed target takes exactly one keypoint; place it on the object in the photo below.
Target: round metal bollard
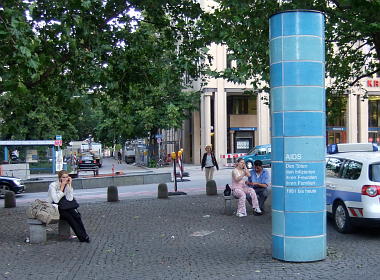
(9, 199)
(211, 188)
(112, 194)
(162, 191)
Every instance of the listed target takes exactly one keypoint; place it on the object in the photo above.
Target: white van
(353, 184)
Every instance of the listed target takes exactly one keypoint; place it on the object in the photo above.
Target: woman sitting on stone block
(60, 189)
(240, 189)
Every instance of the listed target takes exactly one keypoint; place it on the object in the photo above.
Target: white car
(353, 185)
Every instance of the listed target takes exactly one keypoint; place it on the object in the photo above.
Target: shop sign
(243, 128)
(373, 83)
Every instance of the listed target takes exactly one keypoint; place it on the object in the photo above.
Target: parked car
(11, 184)
(353, 185)
(87, 162)
(261, 152)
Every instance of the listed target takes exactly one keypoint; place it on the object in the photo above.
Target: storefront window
(374, 111)
(336, 110)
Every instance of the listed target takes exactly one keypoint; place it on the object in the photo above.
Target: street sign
(57, 143)
(58, 137)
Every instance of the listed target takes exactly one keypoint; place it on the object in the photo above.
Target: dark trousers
(262, 194)
(73, 217)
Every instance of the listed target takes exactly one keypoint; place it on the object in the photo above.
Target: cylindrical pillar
(9, 199)
(297, 60)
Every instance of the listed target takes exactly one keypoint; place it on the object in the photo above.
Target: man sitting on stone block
(259, 181)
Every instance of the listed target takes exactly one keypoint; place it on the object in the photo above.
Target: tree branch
(363, 76)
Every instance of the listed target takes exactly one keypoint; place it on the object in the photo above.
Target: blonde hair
(61, 173)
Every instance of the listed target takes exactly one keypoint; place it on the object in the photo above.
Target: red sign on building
(373, 83)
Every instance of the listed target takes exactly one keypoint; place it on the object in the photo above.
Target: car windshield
(374, 172)
(252, 151)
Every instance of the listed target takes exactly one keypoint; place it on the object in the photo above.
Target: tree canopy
(116, 68)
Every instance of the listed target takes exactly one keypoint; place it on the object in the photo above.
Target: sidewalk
(183, 237)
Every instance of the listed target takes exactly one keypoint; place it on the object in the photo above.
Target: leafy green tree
(72, 64)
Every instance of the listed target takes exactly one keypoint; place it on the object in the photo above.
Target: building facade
(234, 122)
(229, 119)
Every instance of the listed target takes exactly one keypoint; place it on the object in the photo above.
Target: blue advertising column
(297, 61)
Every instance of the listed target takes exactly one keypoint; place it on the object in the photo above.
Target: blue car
(261, 152)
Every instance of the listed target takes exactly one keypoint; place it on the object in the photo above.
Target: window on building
(229, 61)
(374, 111)
(241, 105)
(336, 111)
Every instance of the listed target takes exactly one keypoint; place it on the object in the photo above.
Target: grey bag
(42, 211)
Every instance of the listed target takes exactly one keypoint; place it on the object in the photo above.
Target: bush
(152, 163)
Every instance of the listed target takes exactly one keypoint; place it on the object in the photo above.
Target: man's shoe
(257, 211)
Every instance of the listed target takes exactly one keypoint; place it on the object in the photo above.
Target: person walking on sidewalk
(119, 157)
(240, 189)
(209, 163)
(62, 188)
(259, 181)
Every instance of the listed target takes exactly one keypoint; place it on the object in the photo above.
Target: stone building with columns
(233, 122)
(360, 122)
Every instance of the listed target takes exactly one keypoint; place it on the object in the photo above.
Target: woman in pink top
(240, 189)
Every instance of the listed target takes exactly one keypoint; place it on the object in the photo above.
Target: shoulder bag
(65, 204)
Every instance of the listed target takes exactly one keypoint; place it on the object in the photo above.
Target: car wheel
(249, 164)
(341, 218)
(3, 188)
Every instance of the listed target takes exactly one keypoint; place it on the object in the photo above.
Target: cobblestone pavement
(183, 237)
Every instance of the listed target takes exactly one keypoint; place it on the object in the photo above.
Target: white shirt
(209, 162)
(55, 194)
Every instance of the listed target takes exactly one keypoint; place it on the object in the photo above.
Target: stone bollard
(37, 231)
(211, 188)
(228, 205)
(162, 190)
(9, 199)
(112, 194)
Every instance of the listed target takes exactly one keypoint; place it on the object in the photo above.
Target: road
(192, 185)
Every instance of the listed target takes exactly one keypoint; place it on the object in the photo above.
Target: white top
(209, 162)
(55, 194)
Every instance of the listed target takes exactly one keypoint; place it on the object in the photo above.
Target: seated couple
(254, 188)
